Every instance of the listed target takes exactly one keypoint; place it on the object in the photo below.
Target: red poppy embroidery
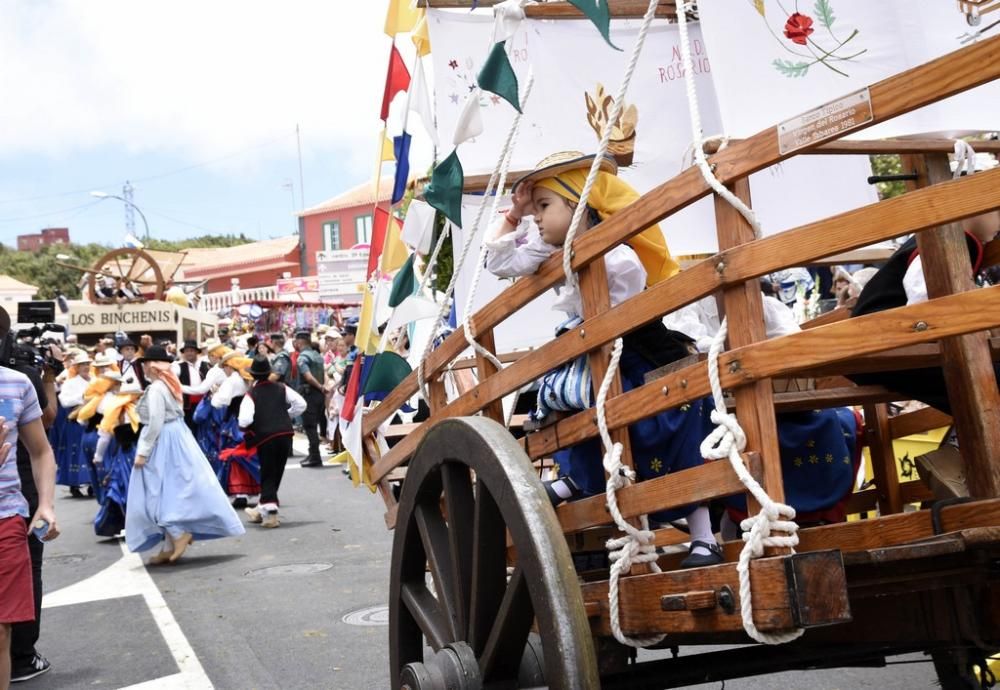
(798, 27)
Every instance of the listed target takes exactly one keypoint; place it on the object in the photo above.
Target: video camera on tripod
(31, 346)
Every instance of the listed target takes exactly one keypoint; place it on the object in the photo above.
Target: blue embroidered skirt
(65, 437)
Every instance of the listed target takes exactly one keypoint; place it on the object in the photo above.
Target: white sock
(268, 507)
(563, 489)
(700, 524)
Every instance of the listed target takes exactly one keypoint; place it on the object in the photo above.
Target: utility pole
(302, 184)
(127, 190)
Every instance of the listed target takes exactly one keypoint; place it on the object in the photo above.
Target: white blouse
(521, 252)
(233, 387)
(700, 320)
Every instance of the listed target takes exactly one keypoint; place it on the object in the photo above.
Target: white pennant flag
(413, 308)
(507, 17)
(418, 228)
(420, 101)
(470, 122)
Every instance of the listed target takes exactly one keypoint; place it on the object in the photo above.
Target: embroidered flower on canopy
(798, 28)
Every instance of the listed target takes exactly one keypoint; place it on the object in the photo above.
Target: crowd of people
(170, 439)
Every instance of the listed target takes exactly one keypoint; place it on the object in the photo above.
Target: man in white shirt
(190, 372)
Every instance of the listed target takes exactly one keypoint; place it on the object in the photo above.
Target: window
(363, 229)
(331, 235)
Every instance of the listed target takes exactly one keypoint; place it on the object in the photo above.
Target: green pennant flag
(404, 283)
(497, 76)
(597, 12)
(387, 371)
(445, 190)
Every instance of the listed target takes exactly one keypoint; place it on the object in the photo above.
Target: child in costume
(172, 495)
(105, 370)
(664, 443)
(901, 282)
(266, 414)
(66, 435)
(118, 433)
(208, 420)
(239, 473)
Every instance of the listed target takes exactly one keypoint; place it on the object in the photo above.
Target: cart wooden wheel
(134, 272)
(476, 619)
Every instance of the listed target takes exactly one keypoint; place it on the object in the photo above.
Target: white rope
(498, 171)
(965, 158)
(636, 545)
(727, 441)
(602, 148)
(696, 130)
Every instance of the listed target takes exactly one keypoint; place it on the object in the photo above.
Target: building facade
(254, 265)
(339, 223)
(48, 236)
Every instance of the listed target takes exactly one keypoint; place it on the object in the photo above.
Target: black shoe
(75, 492)
(34, 667)
(240, 502)
(566, 485)
(311, 462)
(701, 560)
(90, 491)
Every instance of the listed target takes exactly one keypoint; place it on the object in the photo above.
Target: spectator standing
(311, 377)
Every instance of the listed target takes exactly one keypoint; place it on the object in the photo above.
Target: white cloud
(194, 79)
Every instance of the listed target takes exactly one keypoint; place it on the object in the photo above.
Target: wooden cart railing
(957, 318)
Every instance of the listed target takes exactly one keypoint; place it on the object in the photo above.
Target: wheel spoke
(121, 270)
(501, 657)
(489, 567)
(426, 613)
(460, 505)
(434, 535)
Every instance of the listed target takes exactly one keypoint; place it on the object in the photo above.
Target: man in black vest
(190, 372)
(266, 417)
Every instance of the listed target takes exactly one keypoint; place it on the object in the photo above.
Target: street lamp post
(105, 195)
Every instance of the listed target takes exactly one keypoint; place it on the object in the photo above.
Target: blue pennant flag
(401, 146)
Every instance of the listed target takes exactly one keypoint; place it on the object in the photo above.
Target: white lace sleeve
(517, 253)
(913, 283)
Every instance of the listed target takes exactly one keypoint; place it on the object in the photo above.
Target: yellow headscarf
(93, 396)
(121, 411)
(609, 195)
(242, 365)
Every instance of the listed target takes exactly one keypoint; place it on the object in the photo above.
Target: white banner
(576, 77)
(774, 59)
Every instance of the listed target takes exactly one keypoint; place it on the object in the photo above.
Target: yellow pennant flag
(388, 153)
(394, 252)
(367, 337)
(422, 37)
(402, 16)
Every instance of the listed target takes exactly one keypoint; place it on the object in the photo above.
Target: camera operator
(40, 370)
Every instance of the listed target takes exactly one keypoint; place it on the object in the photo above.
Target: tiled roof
(200, 260)
(362, 195)
(8, 284)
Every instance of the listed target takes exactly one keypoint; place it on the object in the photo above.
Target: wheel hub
(451, 668)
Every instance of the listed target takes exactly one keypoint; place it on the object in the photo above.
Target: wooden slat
(801, 401)
(620, 9)
(918, 422)
(946, 76)
(878, 438)
(967, 365)
(815, 595)
(744, 313)
(947, 315)
(485, 368)
(711, 480)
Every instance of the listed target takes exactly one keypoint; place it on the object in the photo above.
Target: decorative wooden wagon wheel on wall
(468, 486)
(126, 276)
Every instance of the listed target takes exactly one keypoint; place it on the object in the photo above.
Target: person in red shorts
(20, 417)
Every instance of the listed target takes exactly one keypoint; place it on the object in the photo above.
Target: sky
(195, 103)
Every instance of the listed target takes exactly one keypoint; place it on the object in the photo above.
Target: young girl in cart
(661, 444)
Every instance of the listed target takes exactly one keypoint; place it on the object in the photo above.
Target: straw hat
(232, 354)
(550, 166)
(81, 357)
(104, 360)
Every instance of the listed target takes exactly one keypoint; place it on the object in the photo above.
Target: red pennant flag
(398, 79)
(380, 226)
(353, 390)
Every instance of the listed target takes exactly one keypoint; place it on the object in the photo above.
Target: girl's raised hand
(522, 200)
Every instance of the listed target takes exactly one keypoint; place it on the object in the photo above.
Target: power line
(148, 178)
(50, 213)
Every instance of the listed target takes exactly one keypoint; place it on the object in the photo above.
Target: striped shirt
(18, 406)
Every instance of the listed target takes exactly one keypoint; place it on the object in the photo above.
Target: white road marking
(125, 578)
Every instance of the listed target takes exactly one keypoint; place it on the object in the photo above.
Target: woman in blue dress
(173, 497)
(66, 436)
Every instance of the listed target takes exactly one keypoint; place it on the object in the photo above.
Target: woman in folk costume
(117, 433)
(173, 497)
(66, 435)
(266, 414)
(240, 470)
(207, 419)
(820, 450)
(667, 442)
(105, 375)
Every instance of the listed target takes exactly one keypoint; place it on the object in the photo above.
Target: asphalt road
(266, 610)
